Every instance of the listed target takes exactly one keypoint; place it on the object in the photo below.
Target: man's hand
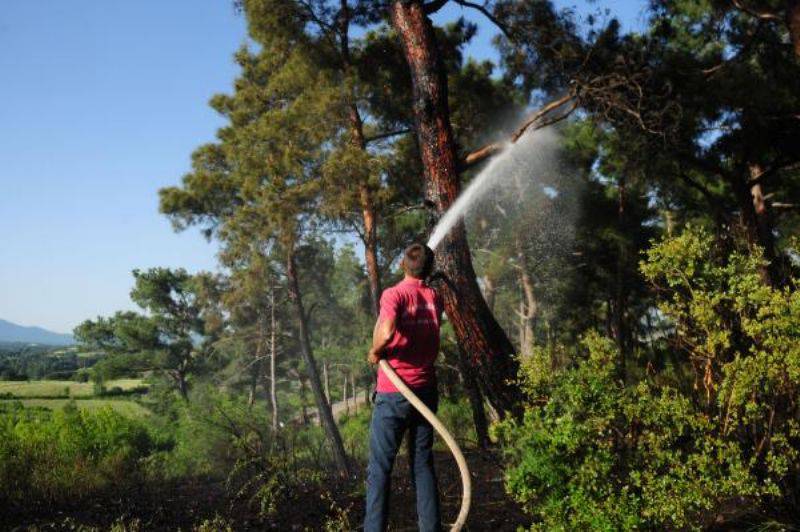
(373, 356)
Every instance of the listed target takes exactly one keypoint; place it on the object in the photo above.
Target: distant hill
(11, 332)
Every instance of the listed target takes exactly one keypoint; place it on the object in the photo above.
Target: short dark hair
(418, 260)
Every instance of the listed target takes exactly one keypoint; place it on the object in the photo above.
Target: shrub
(456, 414)
(355, 433)
(592, 453)
(67, 454)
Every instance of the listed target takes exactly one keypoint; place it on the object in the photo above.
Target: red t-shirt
(417, 311)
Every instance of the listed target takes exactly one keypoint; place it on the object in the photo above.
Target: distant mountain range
(11, 332)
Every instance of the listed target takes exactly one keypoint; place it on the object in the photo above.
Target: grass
(124, 407)
(54, 395)
(47, 389)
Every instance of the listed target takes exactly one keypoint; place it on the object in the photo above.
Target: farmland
(54, 395)
(54, 388)
(125, 407)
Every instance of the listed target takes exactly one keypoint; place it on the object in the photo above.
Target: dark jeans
(392, 416)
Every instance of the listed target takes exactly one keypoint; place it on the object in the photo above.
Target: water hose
(466, 481)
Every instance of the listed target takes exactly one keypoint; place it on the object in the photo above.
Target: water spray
(474, 190)
(501, 166)
(530, 151)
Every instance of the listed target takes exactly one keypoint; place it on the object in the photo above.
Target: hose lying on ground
(466, 482)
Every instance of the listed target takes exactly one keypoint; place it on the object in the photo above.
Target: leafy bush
(355, 433)
(68, 454)
(592, 453)
(456, 414)
(217, 434)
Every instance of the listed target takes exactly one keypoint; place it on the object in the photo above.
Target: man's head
(418, 261)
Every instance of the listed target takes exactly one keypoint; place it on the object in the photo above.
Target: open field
(126, 408)
(52, 388)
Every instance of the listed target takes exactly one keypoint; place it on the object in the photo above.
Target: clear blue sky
(101, 105)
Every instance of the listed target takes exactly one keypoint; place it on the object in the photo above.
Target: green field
(124, 407)
(55, 389)
(55, 394)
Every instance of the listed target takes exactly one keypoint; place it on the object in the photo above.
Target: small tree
(173, 337)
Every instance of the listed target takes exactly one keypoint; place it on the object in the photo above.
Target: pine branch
(433, 7)
(486, 13)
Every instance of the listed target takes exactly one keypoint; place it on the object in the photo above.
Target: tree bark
(273, 344)
(303, 402)
(323, 407)
(793, 23)
(326, 380)
(528, 306)
(620, 292)
(478, 332)
(358, 140)
(489, 291)
(255, 366)
(756, 220)
(475, 400)
(355, 394)
(371, 248)
(344, 394)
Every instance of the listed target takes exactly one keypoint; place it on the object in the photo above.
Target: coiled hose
(466, 481)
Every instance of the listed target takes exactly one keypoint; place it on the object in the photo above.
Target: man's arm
(381, 336)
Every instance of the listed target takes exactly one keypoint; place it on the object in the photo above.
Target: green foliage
(355, 433)
(68, 454)
(593, 453)
(175, 335)
(19, 362)
(456, 415)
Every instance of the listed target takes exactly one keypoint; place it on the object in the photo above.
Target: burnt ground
(184, 505)
(491, 508)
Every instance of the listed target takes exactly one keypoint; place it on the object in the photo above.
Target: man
(407, 336)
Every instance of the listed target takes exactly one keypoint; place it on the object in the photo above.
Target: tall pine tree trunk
(369, 217)
(757, 221)
(371, 247)
(303, 401)
(529, 306)
(368, 213)
(489, 291)
(793, 23)
(354, 392)
(344, 393)
(273, 344)
(326, 380)
(620, 292)
(255, 365)
(487, 345)
(323, 407)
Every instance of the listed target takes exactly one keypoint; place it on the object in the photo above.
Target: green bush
(355, 433)
(456, 414)
(68, 454)
(592, 453)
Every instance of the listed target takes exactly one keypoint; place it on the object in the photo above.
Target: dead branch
(484, 152)
(761, 15)
(388, 134)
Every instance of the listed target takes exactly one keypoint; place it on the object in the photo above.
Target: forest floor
(184, 505)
